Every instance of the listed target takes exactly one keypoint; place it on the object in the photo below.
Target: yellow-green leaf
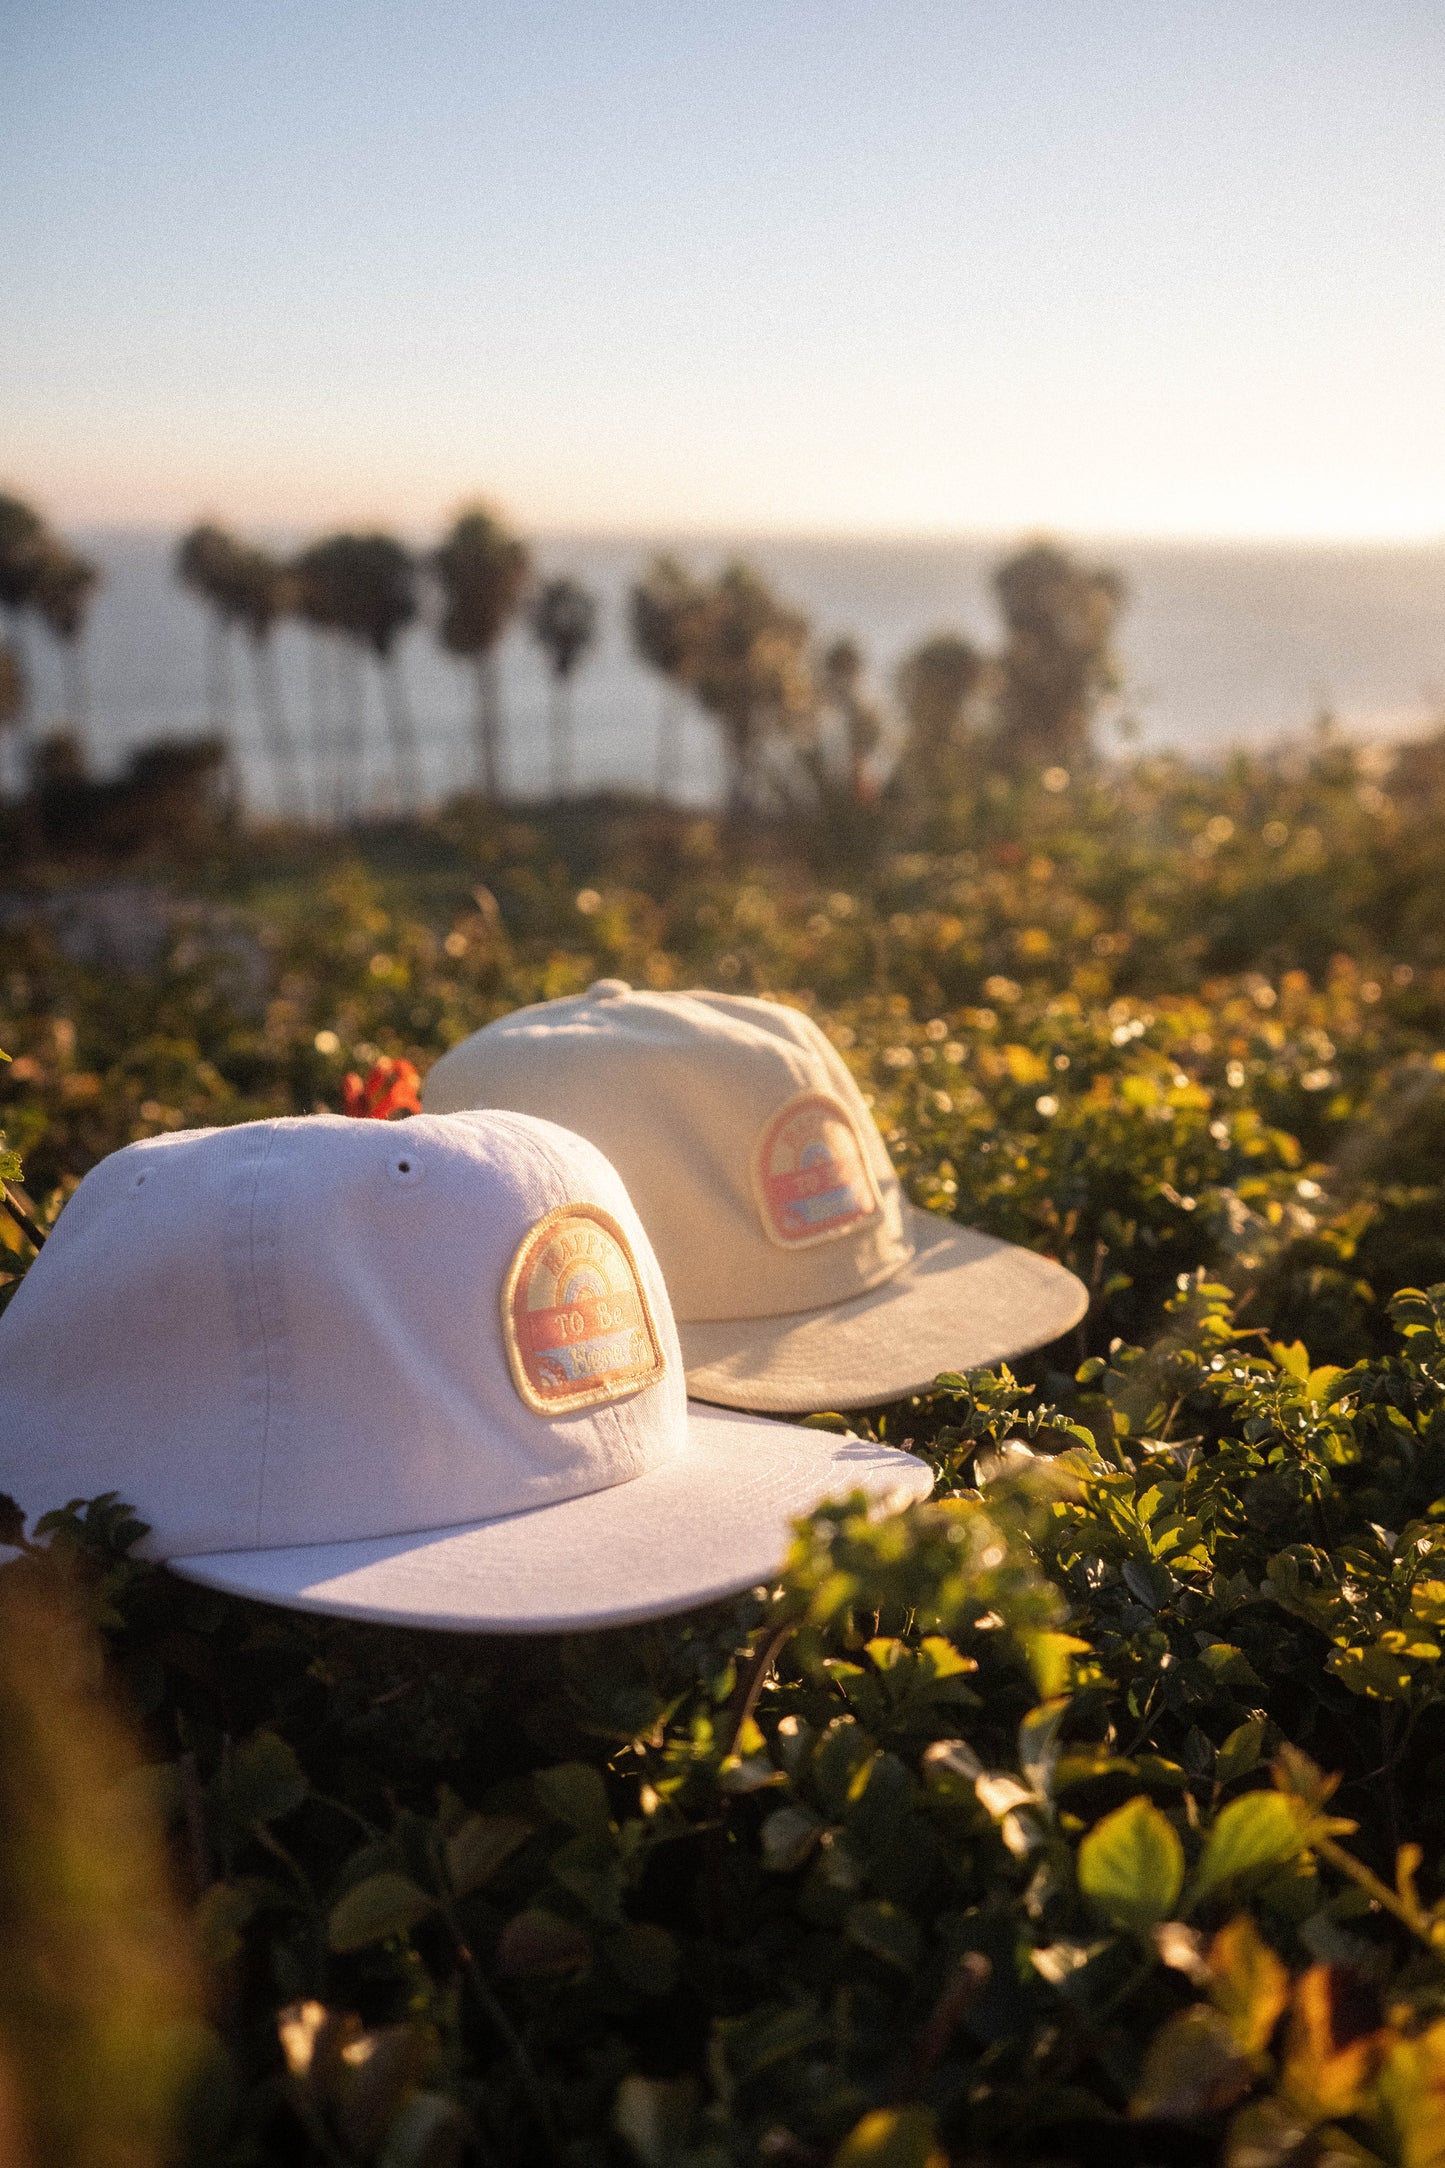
(892, 2138)
(1240, 1752)
(1248, 1983)
(1411, 2098)
(1131, 1865)
(1051, 1658)
(1251, 1838)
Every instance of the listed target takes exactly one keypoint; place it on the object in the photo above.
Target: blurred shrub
(98, 1995)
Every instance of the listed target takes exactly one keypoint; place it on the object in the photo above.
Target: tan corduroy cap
(800, 1275)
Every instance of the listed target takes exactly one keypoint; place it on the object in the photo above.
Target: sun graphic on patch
(575, 1316)
(810, 1173)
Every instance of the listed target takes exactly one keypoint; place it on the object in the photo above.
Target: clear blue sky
(1160, 266)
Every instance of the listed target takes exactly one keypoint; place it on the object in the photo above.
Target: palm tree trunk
(559, 729)
(22, 737)
(350, 733)
(18, 729)
(489, 766)
(402, 731)
(220, 683)
(280, 745)
(25, 734)
(742, 791)
(669, 740)
(319, 722)
(74, 687)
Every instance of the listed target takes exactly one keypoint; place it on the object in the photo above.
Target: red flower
(390, 1088)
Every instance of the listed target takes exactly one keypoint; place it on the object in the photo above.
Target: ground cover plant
(1090, 1811)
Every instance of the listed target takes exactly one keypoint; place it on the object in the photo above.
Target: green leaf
(1241, 1751)
(1229, 1666)
(1375, 1672)
(1251, 1839)
(789, 1835)
(944, 1657)
(475, 1851)
(885, 1932)
(1052, 1659)
(1131, 1866)
(590, 1869)
(219, 1918)
(384, 1904)
(1038, 1744)
(574, 1793)
(1293, 1360)
(265, 1781)
(537, 1945)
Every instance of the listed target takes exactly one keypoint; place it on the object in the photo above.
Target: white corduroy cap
(800, 1275)
(421, 1372)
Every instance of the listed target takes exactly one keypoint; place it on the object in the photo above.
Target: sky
(1115, 267)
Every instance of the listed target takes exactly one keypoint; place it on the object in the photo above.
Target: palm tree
(936, 684)
(842, 686)
(564, 621)
(13, 688)
(484, 572)
(259, 592)
(247, 590)
(376, 583)
(23, 542)
(204, 561)
(364, 587)
(746, 660)
(665, 610)
(64, 584)
(336, 737)
(1059, 654)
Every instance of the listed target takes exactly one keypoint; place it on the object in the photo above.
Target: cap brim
(712, 1521)
(964, 1299)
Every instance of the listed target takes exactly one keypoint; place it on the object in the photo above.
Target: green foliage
(1131, 1865)
(1093, 1807)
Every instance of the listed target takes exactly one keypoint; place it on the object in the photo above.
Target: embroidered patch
(810, 1173)
(575, 1316)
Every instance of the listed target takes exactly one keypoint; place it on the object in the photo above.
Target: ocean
(1220, 646)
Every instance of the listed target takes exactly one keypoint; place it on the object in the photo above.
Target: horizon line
(658, 533)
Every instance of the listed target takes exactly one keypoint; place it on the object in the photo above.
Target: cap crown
(745, 1144)
(294, 1332)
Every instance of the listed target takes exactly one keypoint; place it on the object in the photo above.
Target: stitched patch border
(599, 1342)
(798, 1194)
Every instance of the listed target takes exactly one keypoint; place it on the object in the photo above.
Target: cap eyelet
(405, 1169)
